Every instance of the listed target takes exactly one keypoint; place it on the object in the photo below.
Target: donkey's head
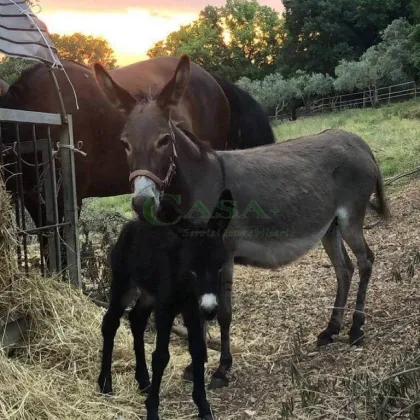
(149, 135)
(205, 250)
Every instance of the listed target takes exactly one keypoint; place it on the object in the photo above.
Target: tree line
(315, 49)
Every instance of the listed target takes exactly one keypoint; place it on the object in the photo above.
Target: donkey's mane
(204, 147)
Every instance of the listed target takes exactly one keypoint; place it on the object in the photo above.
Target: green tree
(241, 38)
(392, 61)
(319, 34)
(11, 68)
(85, 49)
(415, 10)
(277, 94)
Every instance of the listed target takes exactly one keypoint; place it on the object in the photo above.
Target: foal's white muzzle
(208, 305)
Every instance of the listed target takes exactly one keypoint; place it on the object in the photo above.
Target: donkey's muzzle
(145, 201)
(145, 207)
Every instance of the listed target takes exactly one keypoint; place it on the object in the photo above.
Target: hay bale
(8, 261)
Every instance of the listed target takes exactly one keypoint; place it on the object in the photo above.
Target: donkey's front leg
(198, 351)
(224, 317)
(138, 317)
(110, 325)
(164, 320)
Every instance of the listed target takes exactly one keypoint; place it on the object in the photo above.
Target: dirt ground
(278, 314)
(278, 372)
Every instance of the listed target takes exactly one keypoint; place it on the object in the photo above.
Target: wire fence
(367, 98)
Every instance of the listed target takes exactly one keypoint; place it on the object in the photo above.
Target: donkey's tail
(381, 206)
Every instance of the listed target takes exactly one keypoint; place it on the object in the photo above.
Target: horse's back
(204, 102)
(249, 124)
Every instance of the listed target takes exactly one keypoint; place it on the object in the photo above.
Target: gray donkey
(287, 196)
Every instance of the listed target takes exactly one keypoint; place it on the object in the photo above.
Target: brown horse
(288, 197)
(97, 124)
(4, 87)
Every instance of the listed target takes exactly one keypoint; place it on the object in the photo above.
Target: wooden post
(70, 201)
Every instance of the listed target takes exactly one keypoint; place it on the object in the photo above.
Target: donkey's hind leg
(353, 235)
(344, 269)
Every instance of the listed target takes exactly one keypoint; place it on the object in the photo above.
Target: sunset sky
(130, 26)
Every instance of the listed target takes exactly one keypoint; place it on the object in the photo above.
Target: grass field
(393, 132)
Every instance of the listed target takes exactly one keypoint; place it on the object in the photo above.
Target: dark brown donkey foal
(176, 269)
(288, 197)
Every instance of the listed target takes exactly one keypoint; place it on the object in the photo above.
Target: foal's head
(150, 134)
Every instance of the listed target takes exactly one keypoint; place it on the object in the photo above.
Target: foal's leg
(198, 351)
(353, 235)
(138, 317)
(188, 371)
(164, 319)
(224, 317)
(344, 269)
(110, 325)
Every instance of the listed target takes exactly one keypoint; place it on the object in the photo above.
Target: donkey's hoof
(105, 387)
(219, 381)
(356, 336)
(325, 338)
(188, 375)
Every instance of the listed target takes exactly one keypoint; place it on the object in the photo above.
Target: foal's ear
(118, 96)
(222, 214)
(172, 92)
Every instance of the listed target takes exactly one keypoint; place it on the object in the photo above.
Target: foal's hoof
(356, 336)
(188, 375)
(219, 381)
(324, 338)
(105, 387)
(207, 417)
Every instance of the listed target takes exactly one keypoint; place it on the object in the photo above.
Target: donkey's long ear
(222, 214)
(118, 96)
(172, 92)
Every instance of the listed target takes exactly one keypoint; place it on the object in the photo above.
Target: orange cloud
(130, 33)
(119, 5)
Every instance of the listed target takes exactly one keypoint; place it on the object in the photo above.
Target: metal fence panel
(30, 172)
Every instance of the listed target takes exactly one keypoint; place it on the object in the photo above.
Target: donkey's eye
(163, 141)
